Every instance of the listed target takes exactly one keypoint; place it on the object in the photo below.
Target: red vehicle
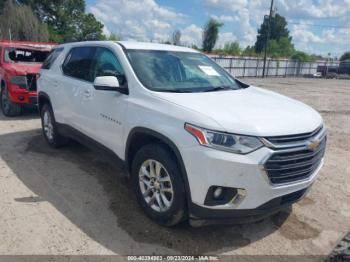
(20, 63)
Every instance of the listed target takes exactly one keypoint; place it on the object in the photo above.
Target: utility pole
(267, 38)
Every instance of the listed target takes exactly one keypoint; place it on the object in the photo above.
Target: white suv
(197, 143)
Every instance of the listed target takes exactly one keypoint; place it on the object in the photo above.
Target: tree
(67, 20)
(286, 48)
(345, 56)
(90, 28)
(210, 34)
(114, 37)
(231, 48)
(176, 37)
(280, 48)
(273, 48)
(277, 31)
(300, 56)
(249, 51)
(194, 46)
(18, 22)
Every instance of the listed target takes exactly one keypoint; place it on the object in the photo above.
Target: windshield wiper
(218, 88)
(175, 90)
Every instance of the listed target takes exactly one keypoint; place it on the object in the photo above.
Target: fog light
(218, 193)
(21, 98)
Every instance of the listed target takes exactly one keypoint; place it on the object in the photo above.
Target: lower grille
(290, 166)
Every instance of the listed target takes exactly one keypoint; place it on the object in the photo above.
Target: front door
(104, 111)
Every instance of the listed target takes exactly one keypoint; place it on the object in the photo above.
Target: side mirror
(109, 83)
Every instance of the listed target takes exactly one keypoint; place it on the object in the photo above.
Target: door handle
(87, 93)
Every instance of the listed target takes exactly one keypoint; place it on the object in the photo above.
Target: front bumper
(207, 167)
(200, 216)
(22, 96)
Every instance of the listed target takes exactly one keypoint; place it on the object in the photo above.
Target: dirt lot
(72, 201)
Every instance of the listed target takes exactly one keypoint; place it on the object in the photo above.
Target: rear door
(48, 81)
(75, 85)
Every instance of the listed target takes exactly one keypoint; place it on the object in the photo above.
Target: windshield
(167, 71)
(19, 55)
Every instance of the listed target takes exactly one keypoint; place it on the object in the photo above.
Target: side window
(79, 62)
(106, 64)
(51, 58)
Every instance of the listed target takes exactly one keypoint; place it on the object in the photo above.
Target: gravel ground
(74, 202)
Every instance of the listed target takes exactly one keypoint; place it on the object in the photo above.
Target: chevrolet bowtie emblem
(313, 145)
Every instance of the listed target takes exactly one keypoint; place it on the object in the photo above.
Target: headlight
(20, 81)
(238, 144)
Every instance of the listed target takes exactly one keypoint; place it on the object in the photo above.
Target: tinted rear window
(52, 58)
(78, 63)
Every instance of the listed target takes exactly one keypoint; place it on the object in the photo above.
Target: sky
(317, 26)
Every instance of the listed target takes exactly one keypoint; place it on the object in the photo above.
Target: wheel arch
(43, 99)
(140, 136)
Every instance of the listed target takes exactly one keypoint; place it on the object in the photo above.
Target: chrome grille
(293, 140)
(293, 165)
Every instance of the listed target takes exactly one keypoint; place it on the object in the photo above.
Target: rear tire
(9, 108)
(161, 192)
(49, 128)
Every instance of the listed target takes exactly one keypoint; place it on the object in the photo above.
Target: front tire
(9, 108)
(49, 128)
(158, 185)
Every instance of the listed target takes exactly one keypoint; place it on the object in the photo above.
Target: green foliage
(286, 48)
(210, 35)
(114, 37)
(90, 28)
(278, 31)
(302, 56)
(280, 48)
(67, 20)
(232, 48)
(18, 22)
(249, 51)
(345, 56)
(273, 48)
(193, 46)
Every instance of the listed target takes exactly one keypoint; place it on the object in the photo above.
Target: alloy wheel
(155, 184)
(48, 126)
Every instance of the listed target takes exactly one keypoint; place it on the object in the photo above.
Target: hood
(22, 69)
(250, 111)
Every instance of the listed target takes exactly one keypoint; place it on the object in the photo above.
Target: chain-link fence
(253, 67)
